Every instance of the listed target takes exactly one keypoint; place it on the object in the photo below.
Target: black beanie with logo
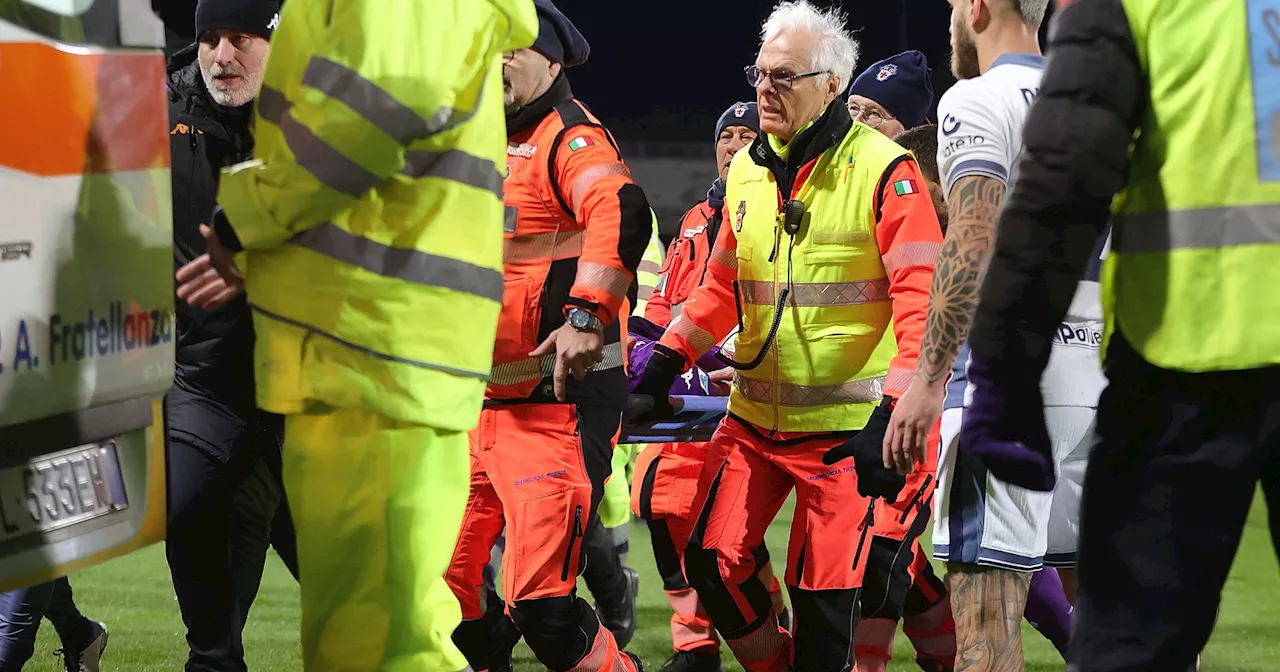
(255, 17)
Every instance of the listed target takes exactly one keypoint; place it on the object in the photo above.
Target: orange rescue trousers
(746, 478)
(662, 493)
(900, 582)
(539, 471)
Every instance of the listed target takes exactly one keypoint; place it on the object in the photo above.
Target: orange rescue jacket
(685, 265)
(576, 227)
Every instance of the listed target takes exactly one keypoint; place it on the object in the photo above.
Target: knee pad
(887, 579)
(822, 634)
(702, 569)
(555, 629)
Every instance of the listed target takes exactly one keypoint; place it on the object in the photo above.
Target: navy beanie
(739, 114)
(901, 85)
(558, 39)
(255, 17)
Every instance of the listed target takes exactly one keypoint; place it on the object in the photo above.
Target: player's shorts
(980, 520)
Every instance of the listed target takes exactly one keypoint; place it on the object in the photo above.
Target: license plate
(59, 490)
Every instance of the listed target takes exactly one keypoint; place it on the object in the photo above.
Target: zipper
(906, 511)
(575, 533)
(867, 524)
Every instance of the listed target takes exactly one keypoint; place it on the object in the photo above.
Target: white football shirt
(980, 133)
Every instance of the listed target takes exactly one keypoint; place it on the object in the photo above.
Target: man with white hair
(829, 250)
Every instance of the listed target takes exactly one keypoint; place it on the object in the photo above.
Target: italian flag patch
(904, 187)
(580, 142)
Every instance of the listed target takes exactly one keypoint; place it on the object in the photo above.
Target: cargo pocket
(548, 540)
(677, 480)
(518, 323)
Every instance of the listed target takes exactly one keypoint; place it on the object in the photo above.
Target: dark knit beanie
(901, 85)
(739, 114)
(255, 17)
(558, 39)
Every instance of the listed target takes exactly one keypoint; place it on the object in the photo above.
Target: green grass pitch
(135, 597)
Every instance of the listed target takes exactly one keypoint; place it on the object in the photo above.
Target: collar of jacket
(186, 86)
(823, 134)
(532, 114)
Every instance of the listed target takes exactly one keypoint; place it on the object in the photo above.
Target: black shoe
(620, 619)
(635, 660)
(87, 657)
(693, 661)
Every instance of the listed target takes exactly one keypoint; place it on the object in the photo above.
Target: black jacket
(214, 349)
(1075, 158)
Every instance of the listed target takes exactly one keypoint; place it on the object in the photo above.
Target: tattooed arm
(972, 205)
(971, 208)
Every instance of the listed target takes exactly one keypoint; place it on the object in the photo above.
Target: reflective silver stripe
(379, 107)
(1190, 229)
(366, 98)
(790, 394)
(537, 368)
(760, 293)
(327, 164)
(342, 174)
(455, 165)
(677, 309)
(272, 104)
(404, 264)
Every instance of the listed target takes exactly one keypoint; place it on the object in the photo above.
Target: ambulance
(86, 284)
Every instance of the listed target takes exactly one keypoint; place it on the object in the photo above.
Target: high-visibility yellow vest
(1194, 270)
(372, 213)
(650, 267)
(825, 370)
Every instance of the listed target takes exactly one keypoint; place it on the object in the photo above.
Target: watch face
(579, 318)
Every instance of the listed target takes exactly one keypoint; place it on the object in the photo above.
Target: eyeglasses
(868, 116)
(781, 81)
(508, 56)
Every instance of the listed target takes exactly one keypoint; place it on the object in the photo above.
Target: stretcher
(696, 419)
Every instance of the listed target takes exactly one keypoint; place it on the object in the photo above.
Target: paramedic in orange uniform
(829, 255)
(667, 474)
(576, 227)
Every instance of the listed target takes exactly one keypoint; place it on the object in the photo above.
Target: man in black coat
(224, 453)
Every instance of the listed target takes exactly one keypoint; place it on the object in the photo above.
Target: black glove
(660, 372)
(867, 450)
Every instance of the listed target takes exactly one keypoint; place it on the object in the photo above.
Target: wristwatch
(584, 321)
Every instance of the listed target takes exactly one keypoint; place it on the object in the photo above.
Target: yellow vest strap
(1218, 227)
(791, 394)
(409, 265)
(760, 293)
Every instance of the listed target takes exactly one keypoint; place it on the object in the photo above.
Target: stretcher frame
(696, 419)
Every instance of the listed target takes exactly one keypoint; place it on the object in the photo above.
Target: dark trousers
(226, 507)
(1166, 495)
(20, 614)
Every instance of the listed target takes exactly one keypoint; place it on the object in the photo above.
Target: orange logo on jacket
(183, 129)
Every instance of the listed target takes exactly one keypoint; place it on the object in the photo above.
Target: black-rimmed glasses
(781, 80)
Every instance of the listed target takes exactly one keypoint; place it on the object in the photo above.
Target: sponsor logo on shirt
(950, 124)
(1078, 336)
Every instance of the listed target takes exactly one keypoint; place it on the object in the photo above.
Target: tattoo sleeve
(972, 207)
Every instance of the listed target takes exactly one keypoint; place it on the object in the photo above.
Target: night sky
(666, 69)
